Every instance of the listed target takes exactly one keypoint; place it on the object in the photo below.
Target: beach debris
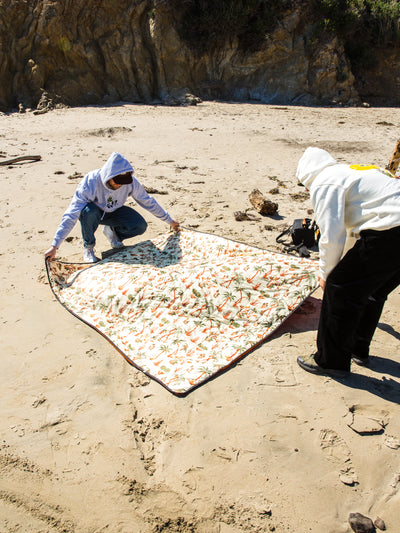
(48, 103)
(244, 215)
(181, 97)
(108, 132)
(152, 190)
(20, 159)
(40, 111)
(300, 196)
(379, 523)
(360, 523)
(263, 206)
(278, 181)
(76, 175)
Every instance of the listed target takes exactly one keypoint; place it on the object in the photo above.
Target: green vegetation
(362, 24)
(208, 24)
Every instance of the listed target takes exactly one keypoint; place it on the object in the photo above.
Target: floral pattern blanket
(184, 306)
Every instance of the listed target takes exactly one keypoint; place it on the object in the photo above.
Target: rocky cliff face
(101, 51)
(84, 51)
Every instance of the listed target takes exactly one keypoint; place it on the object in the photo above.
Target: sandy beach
(89, 444)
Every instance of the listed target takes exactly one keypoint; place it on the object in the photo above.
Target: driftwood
(21, 158)
(395, 159)
(264, 207)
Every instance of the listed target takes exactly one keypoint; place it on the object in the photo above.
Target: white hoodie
(94, 188)
(346, 200)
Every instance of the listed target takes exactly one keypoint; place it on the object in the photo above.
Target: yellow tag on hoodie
(370, 167)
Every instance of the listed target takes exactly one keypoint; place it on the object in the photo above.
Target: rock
(360, 523)
(380, 524)
(181, 97)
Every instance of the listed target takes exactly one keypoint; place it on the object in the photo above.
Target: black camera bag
(304, 234)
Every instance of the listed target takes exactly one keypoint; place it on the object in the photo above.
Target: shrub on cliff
(207, 24)
(362, 24)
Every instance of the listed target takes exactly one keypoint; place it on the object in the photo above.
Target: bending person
(364, 202)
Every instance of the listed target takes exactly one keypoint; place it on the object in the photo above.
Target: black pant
(354, 296)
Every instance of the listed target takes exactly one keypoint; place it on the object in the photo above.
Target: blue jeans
(125, 221)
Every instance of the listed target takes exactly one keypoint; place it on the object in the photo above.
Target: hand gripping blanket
(184, 306)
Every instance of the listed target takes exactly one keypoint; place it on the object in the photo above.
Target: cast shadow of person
(390, 330)
(386, 386)
(142, 253)
(147, 253)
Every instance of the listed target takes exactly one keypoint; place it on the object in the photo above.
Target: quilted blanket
(184, 306)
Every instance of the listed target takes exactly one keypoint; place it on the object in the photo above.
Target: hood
(116, 164)
(312, 162)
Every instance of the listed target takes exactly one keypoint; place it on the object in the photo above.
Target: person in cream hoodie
(99, 199)
(362, 202)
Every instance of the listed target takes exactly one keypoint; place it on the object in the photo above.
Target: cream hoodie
(347, 199)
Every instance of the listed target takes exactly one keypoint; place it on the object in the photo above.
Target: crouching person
(99, 200)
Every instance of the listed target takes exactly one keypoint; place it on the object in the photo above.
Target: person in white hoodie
(362, 202)
(99, 199)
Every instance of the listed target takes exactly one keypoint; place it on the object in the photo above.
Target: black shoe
(362, 361)
(309, 364)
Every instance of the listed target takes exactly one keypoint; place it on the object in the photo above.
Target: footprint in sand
(147, 433)
(336, 448)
